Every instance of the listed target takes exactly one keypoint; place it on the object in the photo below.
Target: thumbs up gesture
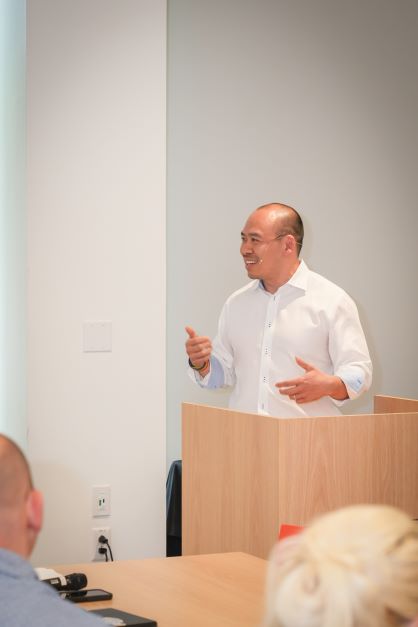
(198, 348)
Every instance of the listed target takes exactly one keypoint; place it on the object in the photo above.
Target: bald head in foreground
(289, 343)
(355, 567)
(20, 504)
(24, 600)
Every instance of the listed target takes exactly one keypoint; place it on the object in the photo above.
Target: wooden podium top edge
(395, 398)
(187, 404)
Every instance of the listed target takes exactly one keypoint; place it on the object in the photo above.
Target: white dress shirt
(260, 334)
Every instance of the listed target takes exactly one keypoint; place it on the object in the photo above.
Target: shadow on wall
(66, 500)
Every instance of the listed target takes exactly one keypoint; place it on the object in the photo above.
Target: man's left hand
(312, 385)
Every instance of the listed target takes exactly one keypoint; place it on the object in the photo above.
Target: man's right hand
(199, 349)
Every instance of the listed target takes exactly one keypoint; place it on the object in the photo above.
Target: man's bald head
(286, 219)
(15, 475)
(20, 505)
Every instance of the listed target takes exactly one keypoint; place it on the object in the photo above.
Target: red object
(289, 530)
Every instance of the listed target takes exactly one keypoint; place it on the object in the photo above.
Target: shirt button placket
(266, 357)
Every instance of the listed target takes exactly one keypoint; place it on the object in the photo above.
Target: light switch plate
(97, 336)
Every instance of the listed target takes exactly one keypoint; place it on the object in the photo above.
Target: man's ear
(290, 243)
(34, 511)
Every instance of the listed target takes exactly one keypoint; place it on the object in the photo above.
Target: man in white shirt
(289, 343)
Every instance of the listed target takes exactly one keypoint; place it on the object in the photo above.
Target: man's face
(262, 246)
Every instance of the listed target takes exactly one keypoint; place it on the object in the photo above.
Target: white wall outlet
(101, 500)
(96, 533)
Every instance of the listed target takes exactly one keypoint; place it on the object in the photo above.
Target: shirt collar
(299, 279)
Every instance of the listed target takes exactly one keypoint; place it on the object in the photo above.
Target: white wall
(96, 251)
(312, 103)
(12, 220)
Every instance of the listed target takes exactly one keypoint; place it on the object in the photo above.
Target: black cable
(104, 540)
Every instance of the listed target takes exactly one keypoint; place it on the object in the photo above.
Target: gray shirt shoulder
(24, 600)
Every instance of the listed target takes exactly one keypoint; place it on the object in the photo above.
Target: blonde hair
(355, 567)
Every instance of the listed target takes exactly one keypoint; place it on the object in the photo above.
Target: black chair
(173, 504)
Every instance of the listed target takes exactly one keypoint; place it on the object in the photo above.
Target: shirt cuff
(215, 377)
(353, 379)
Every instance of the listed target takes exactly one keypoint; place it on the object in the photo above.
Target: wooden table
(219, 590)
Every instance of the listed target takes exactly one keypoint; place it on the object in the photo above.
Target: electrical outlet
(96, 533)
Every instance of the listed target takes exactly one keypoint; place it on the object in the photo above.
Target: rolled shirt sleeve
(215, 377)
(348, 348)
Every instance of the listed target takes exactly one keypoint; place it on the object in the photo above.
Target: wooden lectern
(246, 474)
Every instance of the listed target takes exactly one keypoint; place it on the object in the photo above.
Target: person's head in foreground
(355, 567)
(20, 504)
(24, 600)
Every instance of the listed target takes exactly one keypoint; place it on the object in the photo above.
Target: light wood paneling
(394, 405)
(230, 489)
(199, 591)
(245, 474)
